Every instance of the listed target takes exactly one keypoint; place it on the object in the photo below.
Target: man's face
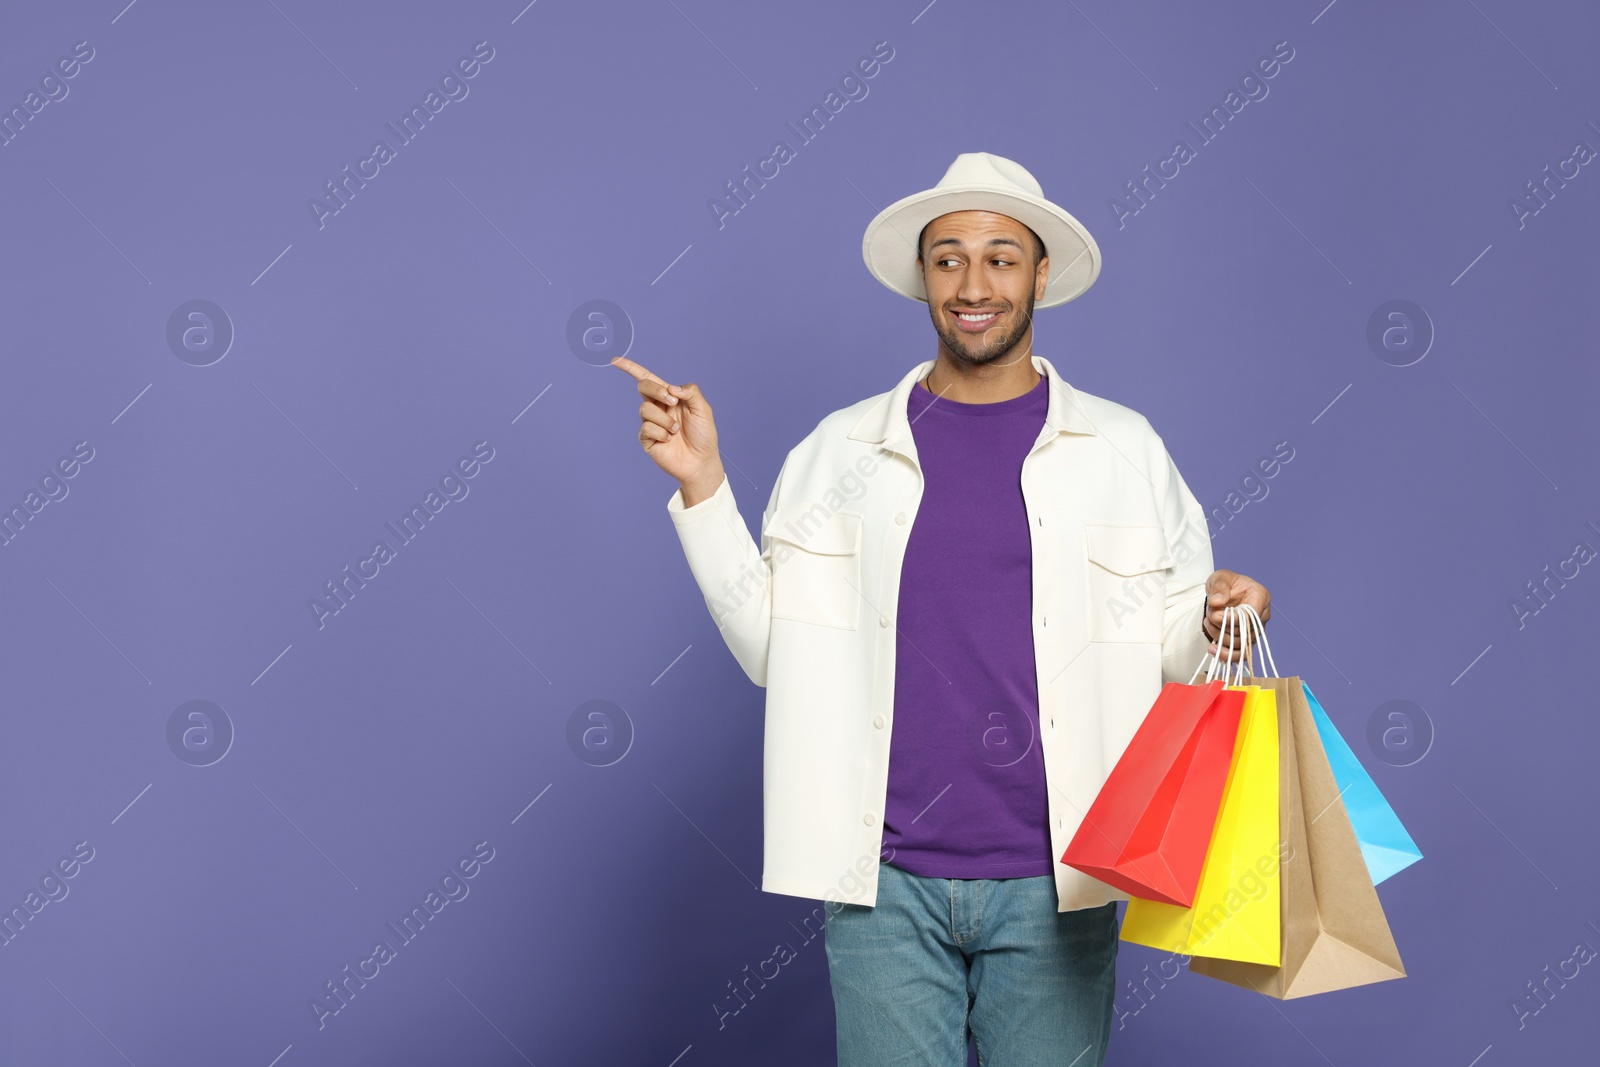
(978, 270)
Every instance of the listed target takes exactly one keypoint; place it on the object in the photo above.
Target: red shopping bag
(1150, 825)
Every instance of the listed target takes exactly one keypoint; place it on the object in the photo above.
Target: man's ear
(1041, 278)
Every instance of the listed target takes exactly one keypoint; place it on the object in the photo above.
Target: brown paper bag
(1335, 935)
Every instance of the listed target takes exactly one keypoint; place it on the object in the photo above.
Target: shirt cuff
(713, 503)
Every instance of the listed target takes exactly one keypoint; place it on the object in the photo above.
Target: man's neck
(985, 387)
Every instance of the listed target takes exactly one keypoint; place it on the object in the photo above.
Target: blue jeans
(937, 955)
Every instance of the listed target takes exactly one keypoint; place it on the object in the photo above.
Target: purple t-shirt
(966, 773)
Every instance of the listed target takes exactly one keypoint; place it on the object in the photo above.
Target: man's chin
(977, 351)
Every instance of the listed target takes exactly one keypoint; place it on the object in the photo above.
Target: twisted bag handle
(1238, 672)
(1259, 630)
(1211, 662)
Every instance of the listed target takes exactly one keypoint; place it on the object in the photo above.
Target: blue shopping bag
(1385, 845)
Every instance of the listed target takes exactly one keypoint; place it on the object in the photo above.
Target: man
(968, 592)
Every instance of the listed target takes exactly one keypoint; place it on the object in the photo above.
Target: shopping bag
(1385, 845)
(1149, 826)
(1333, 929)
(1235, 911)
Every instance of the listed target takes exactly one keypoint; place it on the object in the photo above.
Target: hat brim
(890, 244)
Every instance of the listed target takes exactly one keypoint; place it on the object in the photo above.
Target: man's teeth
(975, 318)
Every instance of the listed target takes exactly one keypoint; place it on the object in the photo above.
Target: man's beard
(987, 348)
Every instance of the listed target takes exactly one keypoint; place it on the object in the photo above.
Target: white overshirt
(1121, 554)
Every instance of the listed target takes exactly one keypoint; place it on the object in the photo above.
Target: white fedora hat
(981, 181)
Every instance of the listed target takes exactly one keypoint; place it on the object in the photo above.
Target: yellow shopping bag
(1235, 914)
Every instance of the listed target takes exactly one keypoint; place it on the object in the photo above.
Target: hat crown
(985, 168)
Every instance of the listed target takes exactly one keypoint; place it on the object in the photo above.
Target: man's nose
(974, 285)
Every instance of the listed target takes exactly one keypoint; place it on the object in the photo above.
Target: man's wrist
(701, 487)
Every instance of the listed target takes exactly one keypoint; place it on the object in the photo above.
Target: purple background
(370, 354)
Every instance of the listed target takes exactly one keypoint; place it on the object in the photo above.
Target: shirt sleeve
(734, 575)
(1183, 644)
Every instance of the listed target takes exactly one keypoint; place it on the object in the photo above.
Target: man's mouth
(975, 321)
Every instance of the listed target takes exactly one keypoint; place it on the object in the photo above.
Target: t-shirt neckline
(926, 398)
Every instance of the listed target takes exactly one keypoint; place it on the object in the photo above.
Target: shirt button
(883, 620)
(869, 818)
(877, 720)
(900, 519)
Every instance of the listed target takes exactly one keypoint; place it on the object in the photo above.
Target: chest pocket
(1126, 582)
(816, 566)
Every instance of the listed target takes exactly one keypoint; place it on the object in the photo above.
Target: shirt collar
(885, 419)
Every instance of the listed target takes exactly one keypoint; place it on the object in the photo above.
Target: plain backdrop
(343, 763)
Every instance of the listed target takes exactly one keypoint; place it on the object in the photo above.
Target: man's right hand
(677, 431)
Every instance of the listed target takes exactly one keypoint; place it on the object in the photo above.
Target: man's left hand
(1230, 589)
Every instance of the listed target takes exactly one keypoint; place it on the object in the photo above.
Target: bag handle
(1239, 670)
(1259, 629)
(1211, 662)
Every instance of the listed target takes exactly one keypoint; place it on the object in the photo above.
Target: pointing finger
(638, 371)
(650, 385)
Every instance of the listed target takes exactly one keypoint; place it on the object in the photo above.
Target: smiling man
(986, 331)
(956, 657)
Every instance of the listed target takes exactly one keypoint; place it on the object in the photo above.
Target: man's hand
(677, 431)
(1229, 589)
